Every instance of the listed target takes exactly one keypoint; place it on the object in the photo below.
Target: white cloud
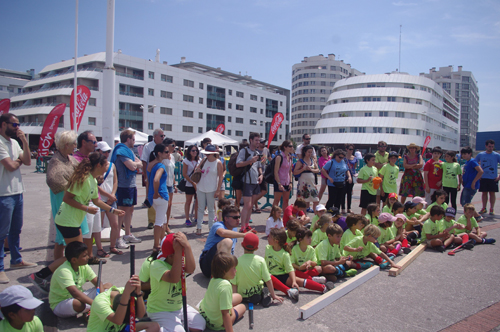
(402, 3)
(473, 37)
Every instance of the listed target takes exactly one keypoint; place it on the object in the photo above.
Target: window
(187, 114)
(418, 101)
(200, 115)
(392, 99)
(92, 101)
(151, 92)
(166, 94)
(239, 120)
(165, 110)
(261, 99)
(418, 132)
(187, 129)
(91, 121)
(151, 109)
(345, 100)
(253, 97)
(342, 130)
(368, 114)
(400, 114)
(239, 107)
(189, 83)
(189, 99)
(239, 133)
(405, 131)
(239, 94)
(200, 130)
(406, 100)
(150, 125)
(228, 119)
(253, 122)
(389, 130)
(229, 131)
(383, 114)
(166, 127)
(201, 87)
(230, 92)
(377, 130)
(200, 100)
(261, 111)
(229, 105)
(167, 78)
(151, 75)
(253, 109)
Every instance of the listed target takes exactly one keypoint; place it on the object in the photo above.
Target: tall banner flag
(220, 128)
(4, 106)
(277, 120)
(82, 98)
(426, 143)
(49, 129)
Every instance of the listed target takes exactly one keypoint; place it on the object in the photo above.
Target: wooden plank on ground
(322, 301)
(407, 260)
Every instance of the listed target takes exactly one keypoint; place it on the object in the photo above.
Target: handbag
(182, 183)
(196, 177)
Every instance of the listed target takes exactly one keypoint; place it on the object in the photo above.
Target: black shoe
(151, 225)
(440, 248)
(413, 242)
(256, 298)
(266, 298)
(406, 250)
(469, 245)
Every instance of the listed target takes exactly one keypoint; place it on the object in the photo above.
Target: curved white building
(397, 108)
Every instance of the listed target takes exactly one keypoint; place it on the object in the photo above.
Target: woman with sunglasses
(283, 173)
(189, 165)
(322, 160)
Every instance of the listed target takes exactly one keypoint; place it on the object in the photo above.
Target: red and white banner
(426, 143)
(49, 129)
(220, 128)
(277, 120)
(4, 106)
(82, 98)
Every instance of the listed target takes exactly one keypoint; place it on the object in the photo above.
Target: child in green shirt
(220, 307)
(387, 239)
(373, 211)
(451, 169)
(355, 224)
(304, 257)
(18, 308)
(292, 227)
(389, 174)
(407, 239)
(389, 202)
(320, 233)
(251, 275)
(430, 231)
(320, 210)
(410, 212)
(438, 198)
(365, 176)
(420, 201)
(471, 227)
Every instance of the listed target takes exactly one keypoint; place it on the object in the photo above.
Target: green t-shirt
(101, 309)
(443, 224)
(278, 262)
(251, 274)
(299, 257)
(368, 248)
(72, 217)
(372, 220)
(430, 227)
(314, 220)
(348, 236)
(444, 206)
(386, 234)
(145, 267)
(387, 209)
(382, 159)
(364, 174)
(34, 326)
(165, 296)
(463, 220)
(421, 213)
(390, 174)
(219, 296)
(289, 239)
(450, 172)
(326, 252)
(317, 237)
(65, 277)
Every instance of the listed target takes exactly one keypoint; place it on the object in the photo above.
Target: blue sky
(264, 38)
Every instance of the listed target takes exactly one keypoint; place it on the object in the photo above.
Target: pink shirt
(284, 171)
(321, 162)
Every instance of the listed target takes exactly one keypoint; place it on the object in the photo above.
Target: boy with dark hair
(433, 173)
(365, 176)
(382, 159)
(472, 173)
(355, 224)
(296, 211)
(389, 174)
(489, 161)
(431, 234)
(18, 308)
(471, 226)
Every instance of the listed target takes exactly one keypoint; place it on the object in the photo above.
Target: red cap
(167, 246)
(250, 241)
(393, 195)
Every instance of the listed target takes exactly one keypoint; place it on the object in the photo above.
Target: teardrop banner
(277, 120)
(4, 106)
(426, 143)
(220, 128)
(82, 98)
(49, 129)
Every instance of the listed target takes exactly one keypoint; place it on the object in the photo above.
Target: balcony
(68, 71)
(34, 105)
(125, 93)
(216, 96)
(130, 76)
(131, 115)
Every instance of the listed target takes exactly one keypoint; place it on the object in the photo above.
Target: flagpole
(76, 65)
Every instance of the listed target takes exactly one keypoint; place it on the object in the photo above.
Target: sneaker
(250, 221)
(43, 285)
(189, 223)
(256, 298)
(440, 248)
(151, 225)
(204, 222)
(385, 264)
(492, 212)
(266, 298)
(489, 241)
(131, 239)
(120, 244)
(329, 286)
(483, 211)
(293, 294)
(414, 242)
(23, 265)
(391, 255)
(319, 280)
(468, 245)
(309, 210)
(406, 250)
(250, 229)
(4, 279)
(365, 265)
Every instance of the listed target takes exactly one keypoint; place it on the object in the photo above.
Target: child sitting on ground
(397, 208)
(320, 210)
(251, 275)
(438, 198)
(410, 212)
(387, 239)
(356, 223)
(18, 308)
(389, 202)
(365, 176)
(274, 220)
(320, 233)
(372, 213)
(470, 223)
(220, 307)
(221, 204)
(430, 231)
(296, 212)
(304, 257)
(144, 276)
(293, 226)
(406, 238)
(361, 247)
(449, 225)
(420, 201)
(66, 296)
(330, 257)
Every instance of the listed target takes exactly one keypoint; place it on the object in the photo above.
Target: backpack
(231, 165)
(269, 171)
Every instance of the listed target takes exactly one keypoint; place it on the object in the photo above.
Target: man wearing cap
(18, 308)
(381, 159)
(433, 173)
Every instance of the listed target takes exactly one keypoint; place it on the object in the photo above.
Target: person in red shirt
(296, 211)
(433, 174)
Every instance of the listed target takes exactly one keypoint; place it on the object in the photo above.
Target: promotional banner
(4, 106)
(49, 129)
(220, 128)
(82, 98)
(277, 120)
(426, 143)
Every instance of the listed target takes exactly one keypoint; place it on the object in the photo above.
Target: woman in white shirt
(189, 165)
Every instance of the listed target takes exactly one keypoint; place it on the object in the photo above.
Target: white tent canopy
(216, 138)
(140, 137)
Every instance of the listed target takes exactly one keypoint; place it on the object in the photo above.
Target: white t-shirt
(146, 151)
(11, 183)
(191, 165)
(271, 223)
(298, 151)
(170, 166)
(209, 177)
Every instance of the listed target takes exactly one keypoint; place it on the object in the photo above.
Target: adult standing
(306, 140)
(11, 190)
(322, 160)
(488, 184)
(337, 173)
(472, 174)
(358, 154)
(127, 165)
(307, 168)
(204, 143)
(351, 162)
(188, 167)
(283, 173)
(158, 136)
(433, 173)
(170, 167)
(381, 159)
(412, 182)
(264, 152)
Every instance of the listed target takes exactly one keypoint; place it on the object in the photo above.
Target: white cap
(320, 207)
(19, 295)
(103, 146)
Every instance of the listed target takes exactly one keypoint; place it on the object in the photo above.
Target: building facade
(12, 82)
(396, 107)
(312, 82)
(463, 87)
(184, 100)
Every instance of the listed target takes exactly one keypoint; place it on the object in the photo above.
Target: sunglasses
(194, 150)
(162, 136)
(307, 139)
(235, 217)
(350, 149)
(94, 142)
(290, 146)
(14, 124)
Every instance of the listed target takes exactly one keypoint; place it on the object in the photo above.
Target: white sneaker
(293, 294)
(319, 280)
(120, 244)
(131, 239)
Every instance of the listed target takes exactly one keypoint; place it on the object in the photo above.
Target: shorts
(250, 190)
(69, 232)
(282, 277)
(190, 191)
(488, 185)
(366, 198)
(206, 261)
(467, 195)
(160, 206)
(64, 309)
(237, 183)
(173, 320)
(112, 205)
(277, 189)
(428, 242)
(94, 223)
(170, 190)
(263, 186)
(126, 196)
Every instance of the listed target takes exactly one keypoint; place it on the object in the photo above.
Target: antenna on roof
(399, 48)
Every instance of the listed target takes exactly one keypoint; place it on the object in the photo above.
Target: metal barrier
(41, 164)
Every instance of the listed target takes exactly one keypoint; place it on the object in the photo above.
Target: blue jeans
(11, 222)
(467, 195)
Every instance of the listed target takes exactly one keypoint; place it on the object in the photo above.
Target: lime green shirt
(326, 252)
(444, 206)
(390, 174)
(364, 174)
(368, 248)
(299, 257)
(386, 234)
(165, 296)
(317, 237)
(145, 267)
(314, 220)
(101, 309)
(431, 228)
(278, 262)
(251, 274)
(71, 217)
(34, 326)
(387, 209)
(450, 172)
(219, 296)
(372, 220)
(463, 220)
(65, 277)
(382, 159)
(289, 239)
(421, 213)
(443, 224)
(348, 236)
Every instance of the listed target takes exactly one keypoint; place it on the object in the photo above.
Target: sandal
(198, 232)
(95, 261)
(102, 253)
(257, 210)
(115, 251)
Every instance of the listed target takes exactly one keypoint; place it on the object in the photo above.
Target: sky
(264, 38)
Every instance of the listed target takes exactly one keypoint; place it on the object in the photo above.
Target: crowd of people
(96, 181)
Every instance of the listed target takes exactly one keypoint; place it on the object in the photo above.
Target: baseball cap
(393, 195)
(320, 207)
(103, 146)
(383, 217)
(450, 212)
(418, 200)
(393, 154)
(167, 246)
(410, 205)
(334, 211)
(263, 140)
(250, 241)
(19, 295)
(401, 216)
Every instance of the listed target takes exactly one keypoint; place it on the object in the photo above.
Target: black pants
(335, 196)
(452, 195)
(347, 193)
